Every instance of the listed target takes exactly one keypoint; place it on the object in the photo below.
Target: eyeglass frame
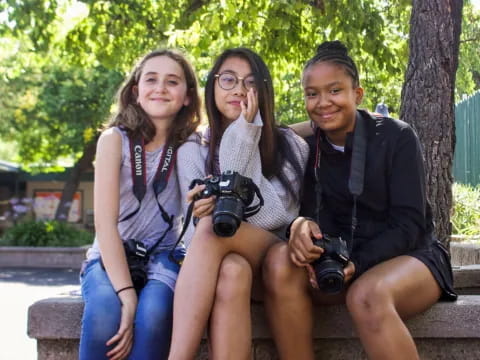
(237, 80)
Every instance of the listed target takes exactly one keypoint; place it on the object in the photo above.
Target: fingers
(196, 190)
(124, 341)
(204, 207)
(302, 249)
(349, 271)
(249, 110)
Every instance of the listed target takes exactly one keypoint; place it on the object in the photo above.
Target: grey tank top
(147, 224)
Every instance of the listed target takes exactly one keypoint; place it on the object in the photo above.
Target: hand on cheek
(250, 109)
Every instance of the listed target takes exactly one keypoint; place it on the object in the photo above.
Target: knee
(279, 273)
(370, 303)
(234, 279)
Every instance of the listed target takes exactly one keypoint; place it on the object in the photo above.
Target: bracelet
(125, 288)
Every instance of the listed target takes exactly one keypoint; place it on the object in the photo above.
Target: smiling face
(228, 101)
(331, 99)
(162, 88)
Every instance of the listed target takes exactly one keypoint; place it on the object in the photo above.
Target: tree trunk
(428, 97)
(71, 185)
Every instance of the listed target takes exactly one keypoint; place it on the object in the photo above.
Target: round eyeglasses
(227, 81)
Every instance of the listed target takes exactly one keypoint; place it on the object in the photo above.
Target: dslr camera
(329, 267)
(137, 259)
(234, 194)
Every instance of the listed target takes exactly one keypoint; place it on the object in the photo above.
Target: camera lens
(227, 215)
(329, 275)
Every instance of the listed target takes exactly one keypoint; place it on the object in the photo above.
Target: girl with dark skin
(396, 268)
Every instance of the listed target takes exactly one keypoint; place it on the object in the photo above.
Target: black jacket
(393, 214)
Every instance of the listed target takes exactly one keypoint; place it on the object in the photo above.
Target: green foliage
(468, 73)
(45, 233)
(466, 210)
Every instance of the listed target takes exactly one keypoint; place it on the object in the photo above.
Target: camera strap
(252, 210)
(357, 170)
(160, 181)
(139, 173)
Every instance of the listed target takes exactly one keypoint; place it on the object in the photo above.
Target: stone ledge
(60, 318)
(446, 331)
(42, 257)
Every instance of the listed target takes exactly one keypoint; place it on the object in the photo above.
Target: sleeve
(190, 165)
(406, 221)
(239, 152)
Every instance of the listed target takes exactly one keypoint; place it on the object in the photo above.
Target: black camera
(329, 267)
(234, 194)
(137, 259)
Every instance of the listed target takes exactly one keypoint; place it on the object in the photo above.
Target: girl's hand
(300, 244)
(202, 207)
(124, 337)
(250, 109)
(349, 271)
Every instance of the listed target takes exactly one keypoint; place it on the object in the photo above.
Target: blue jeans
(101, 316)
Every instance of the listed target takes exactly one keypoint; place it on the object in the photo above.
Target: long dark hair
(274, 147)
(133, 118)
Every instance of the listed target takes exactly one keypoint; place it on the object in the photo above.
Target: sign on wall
(46, 203)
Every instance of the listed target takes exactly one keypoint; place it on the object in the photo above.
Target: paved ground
(19, 288)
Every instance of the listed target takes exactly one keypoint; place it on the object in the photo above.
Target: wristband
(125, 288)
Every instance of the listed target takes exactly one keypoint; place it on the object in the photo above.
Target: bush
(45, 233)
(466, 210)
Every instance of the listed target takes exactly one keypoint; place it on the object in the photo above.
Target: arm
(106, 205)
(239, 152)
(303, 129)
(406, 222)
(191, 165)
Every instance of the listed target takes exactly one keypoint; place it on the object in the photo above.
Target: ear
(358, 95)
(135, 92)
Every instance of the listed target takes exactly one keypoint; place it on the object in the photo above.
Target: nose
(240, 89)
(323, 101)
(160, 86)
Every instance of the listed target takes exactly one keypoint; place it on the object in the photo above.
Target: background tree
(428, 96)
(285, 33)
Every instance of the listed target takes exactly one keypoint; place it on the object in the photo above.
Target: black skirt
(437, 259)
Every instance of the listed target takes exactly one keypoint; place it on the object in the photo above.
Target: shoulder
(192, 143)
(388, 128)
(111, 137)
(296, 142)
(193, 148)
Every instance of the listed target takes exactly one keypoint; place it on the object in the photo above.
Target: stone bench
(446, 331)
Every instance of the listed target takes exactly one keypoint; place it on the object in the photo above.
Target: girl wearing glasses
(215, 282)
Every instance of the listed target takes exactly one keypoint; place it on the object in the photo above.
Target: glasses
(227, 81)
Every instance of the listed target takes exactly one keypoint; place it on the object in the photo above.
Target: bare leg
(197, 281)
(380, 298)
(288, 304)
(230, 332)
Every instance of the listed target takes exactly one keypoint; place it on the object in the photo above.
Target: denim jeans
(101, 316)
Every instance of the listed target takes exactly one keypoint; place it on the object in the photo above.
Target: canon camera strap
(160, 181)
(357, 170)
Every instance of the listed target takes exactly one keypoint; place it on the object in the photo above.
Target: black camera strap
(252, 210)
(160, 181)
(357, 170)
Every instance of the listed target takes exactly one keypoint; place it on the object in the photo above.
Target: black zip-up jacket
(393, 214)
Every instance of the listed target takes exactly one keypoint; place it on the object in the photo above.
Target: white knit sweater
(239, 152)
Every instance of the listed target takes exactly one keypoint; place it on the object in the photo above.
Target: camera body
(234, 192)
(137, 259)
(329, 267)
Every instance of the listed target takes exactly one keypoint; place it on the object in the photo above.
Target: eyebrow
(333, 83)
(156, 73)
(233, 72)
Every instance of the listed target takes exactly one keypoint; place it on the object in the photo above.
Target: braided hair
(335, 52)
